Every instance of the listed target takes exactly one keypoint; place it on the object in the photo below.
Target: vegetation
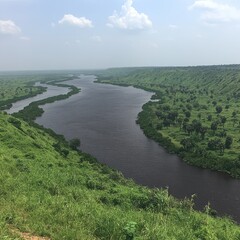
(51, 189)
(46, 192)
(16, 88)
(32, 111)
(195, 112)
(20, 85)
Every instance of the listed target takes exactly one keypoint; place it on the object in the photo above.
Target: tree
(221, 147)
(180, 121)
(203, 131)
(187, 143)
(209, 117)
(189, 107)
(234, 114)
(214, 126)
(189, 129)
(223, 120)
(214, 103)
(199, 116)
(159, 115)
(228, 142)
(187, 114)
(196, 125)
(74, 143)
(218, 109)
(212, 144)
(216, 144)
(166, 122)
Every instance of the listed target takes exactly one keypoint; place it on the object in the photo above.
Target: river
(103, 117)
(51, 91)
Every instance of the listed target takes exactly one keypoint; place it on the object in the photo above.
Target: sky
(93, 34)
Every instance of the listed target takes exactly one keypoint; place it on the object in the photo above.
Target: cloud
(75, 21)
(8, 27)
(215, 12)
(129, 18)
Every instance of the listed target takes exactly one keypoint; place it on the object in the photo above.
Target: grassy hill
(195, 113)
(50, 189)
(47, 189)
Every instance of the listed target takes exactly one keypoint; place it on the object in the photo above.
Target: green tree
(187, 114)
(228, 142)
(223, 120)
(218, 109)
(214, 126)
(74, 143)
(209, 117)
(187, 144)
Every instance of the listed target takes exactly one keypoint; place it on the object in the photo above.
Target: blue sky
(80, 34)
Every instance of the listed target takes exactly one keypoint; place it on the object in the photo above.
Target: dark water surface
(103, 117)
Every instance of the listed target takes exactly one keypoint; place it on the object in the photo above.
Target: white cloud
(9, 27)
(72, 20)
(214, 12)
(129, 18)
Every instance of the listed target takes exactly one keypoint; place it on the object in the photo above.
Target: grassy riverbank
(17, 87)
(49, 189)
(195, 113)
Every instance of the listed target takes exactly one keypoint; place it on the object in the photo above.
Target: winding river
(51, 91)
(103, 117)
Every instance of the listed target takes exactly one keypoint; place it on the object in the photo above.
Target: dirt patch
(28, 236)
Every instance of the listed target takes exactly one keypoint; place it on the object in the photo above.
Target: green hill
(49, 189)
(195, 113)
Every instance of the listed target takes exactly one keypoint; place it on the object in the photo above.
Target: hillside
(195, 112)
(50, 189)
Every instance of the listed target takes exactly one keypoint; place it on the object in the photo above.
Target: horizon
(79, 34)
(108, 68)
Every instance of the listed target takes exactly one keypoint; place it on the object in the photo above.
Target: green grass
(48, 189)
(75, 197)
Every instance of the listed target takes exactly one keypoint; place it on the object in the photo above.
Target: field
(50, 189)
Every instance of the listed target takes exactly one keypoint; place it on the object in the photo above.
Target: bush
(15, 122)
(74, 143)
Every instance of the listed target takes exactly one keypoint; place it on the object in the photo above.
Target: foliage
(17, 87)
(46, 193)
(74, 143)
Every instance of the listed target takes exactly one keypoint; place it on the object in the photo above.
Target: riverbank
(32, 111)
(50, 190)
(7, 104)
(185, 119)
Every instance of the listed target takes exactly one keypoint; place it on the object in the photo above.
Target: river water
(51, 91)
(103, 117)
